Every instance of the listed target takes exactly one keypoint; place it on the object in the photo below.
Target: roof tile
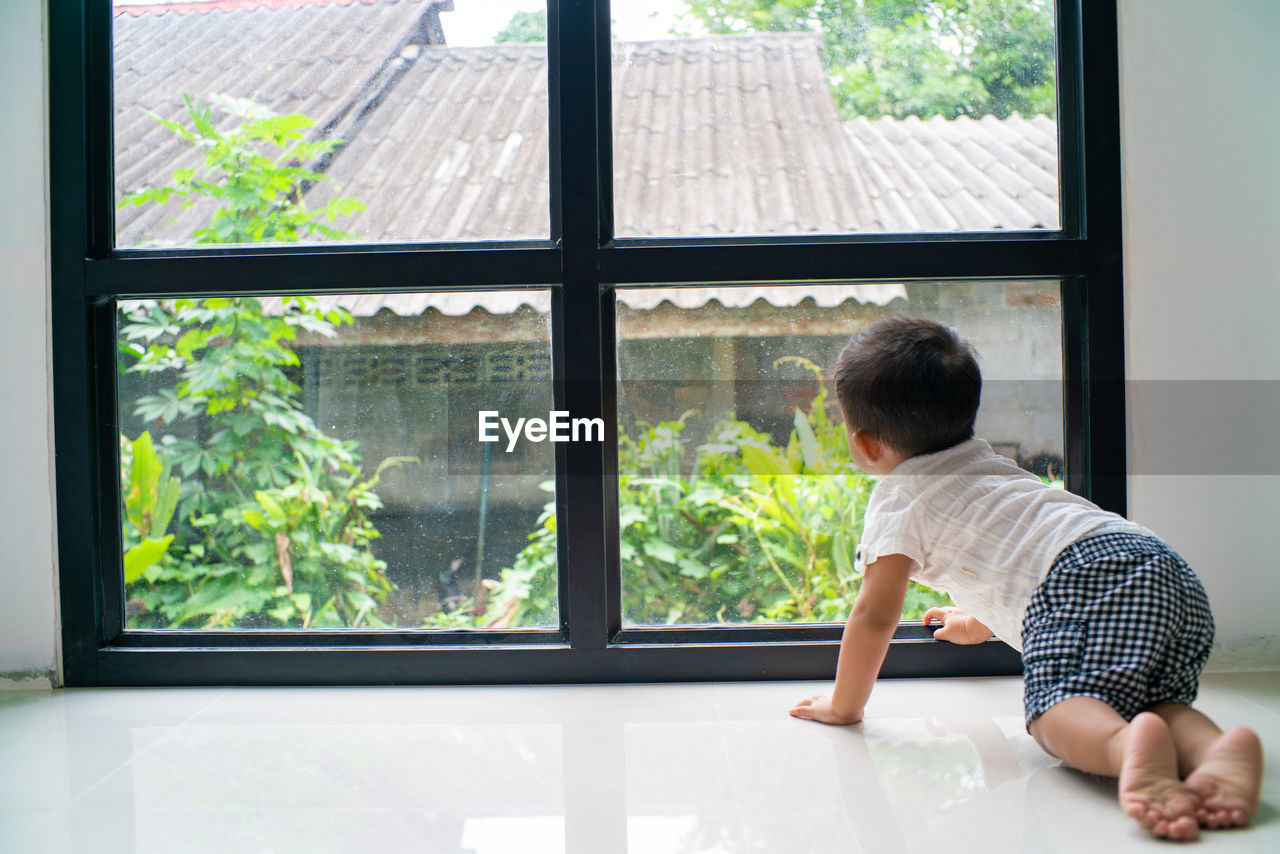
(724, 135)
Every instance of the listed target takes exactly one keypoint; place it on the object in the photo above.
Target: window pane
(738, 500)
(314, 463)
(832, 118)
(330, 121)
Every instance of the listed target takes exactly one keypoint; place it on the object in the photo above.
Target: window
(281, 447)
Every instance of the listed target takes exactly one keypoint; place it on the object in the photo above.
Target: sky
(475, 22)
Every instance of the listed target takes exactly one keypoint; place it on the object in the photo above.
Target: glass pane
(317, 121)
(314, 463)
(738, 499)
(833, 118)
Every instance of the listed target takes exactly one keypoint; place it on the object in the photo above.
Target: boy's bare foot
(1228, 781)
(1150, 791)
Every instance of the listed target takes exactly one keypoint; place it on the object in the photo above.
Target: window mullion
(931, 257)
(1102, 320)
(100, 128)
(76, 235)
(577, 329)
(1071, 118)
(315, 269)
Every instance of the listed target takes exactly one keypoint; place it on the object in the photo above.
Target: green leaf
(274, 511)
(143, 476)
(693, 569)
(631, 514)
(224, 594)
(661, 550)
(840, 554)
(284, 613)
(808, 442)
(166, 504)
(760, 461)
(704, 495)
(143, 555)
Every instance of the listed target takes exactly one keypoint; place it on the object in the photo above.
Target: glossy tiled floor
(939, 765)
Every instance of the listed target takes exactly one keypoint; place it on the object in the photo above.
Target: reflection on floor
(714, 769)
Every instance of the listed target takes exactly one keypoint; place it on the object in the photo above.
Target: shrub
(244, 514)
(746, 532)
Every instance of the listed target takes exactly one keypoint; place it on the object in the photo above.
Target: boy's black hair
(910, 383)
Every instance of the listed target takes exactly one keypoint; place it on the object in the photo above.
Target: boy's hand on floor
(957, 626)
(818, 708)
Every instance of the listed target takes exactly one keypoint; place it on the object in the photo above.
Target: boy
(1044, 570)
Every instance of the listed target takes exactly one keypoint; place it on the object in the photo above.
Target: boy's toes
(1158, 823)
(1226, 785)
(1144, 814)
(1184, 828)
(1216, 819)
(1173, 817)
(1146, 818)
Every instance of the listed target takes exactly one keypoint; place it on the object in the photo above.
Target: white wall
(1202, 209)
(1200, 116)
(28, 608)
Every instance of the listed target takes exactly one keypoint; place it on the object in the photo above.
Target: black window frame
(581, 262)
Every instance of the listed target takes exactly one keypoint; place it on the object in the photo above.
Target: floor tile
(631, 769)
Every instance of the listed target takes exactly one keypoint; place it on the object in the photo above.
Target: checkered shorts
(1119, 617)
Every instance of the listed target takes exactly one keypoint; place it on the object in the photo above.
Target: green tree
(524, 27)
(244, 513)
(914, 57)
(253, 172)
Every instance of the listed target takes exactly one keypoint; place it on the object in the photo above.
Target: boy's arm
(865, 641)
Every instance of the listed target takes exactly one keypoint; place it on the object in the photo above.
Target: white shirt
(978, 527)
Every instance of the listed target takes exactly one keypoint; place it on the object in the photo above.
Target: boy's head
(910, 383)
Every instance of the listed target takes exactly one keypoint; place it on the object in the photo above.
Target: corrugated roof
(960, 174)
(730, 135)
(452, 304)
(717, 136)
(724, 135)
(456, 151)
(203, 7)
(325, 60)
(641, 299)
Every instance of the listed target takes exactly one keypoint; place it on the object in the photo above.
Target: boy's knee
(1073, 720)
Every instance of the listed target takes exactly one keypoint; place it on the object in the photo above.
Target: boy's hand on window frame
(957, 626)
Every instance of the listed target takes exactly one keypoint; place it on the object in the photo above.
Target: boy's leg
(1090, 735)
(1193, 732)
(1223, 770)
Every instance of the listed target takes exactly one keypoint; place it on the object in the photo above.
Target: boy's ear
(867, 446)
